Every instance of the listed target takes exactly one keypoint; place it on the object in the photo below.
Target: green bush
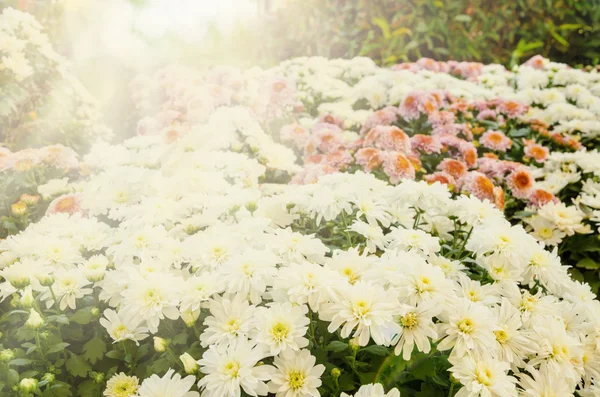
(390, 31)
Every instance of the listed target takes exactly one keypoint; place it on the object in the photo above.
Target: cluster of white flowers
(196, 231)
(37, 85)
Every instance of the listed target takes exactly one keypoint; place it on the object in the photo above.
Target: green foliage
(391, 31)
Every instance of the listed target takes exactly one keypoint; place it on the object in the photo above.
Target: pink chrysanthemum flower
(385, 116)
(487, 114)
(397, 167)
(536, 151)
(425, 144)
(442, 177)
(369, 158)
(67, 203)
(536, 62)
(512, 109)
(388, 138)
(495, 140)
(457, 169)
(479, 185)
(294, 133)
(540, 197)
(331, 119)
(520, 183)
(326, 138)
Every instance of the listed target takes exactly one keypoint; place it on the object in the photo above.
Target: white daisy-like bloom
(170, 385)
(474, 291)
(199, 289)
(515, 343)
(95, 267)
(297, 375)
(122, 328)
(351, 264)
(418, 282)
(482, 376)
(411, 239)
(374, 211)
(372, 233)
(416, 328)
(365, 308)
(281, 326)
(231, 319)
(559, 351)
(294, 247)
(468, 328)
(250, 273)
(373, 390)
(70, 285)
(306, 283)
(152, 299)
(121, 385)
(543, 384)
(229, 368)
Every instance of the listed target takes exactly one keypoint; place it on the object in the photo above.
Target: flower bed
(204, 256)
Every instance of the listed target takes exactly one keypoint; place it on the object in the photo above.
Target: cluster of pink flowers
(447, 142)
(466, 70)
(58, 156)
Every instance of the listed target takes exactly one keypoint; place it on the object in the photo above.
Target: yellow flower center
(361, 308)
(120, 331)
(233, 325)
(121, 197)
(466, 326)
(409, 320)
(501, 336)
(296, 379)
(545, 232)
(351, 275)
(232, 369)
(280, 331)
(484, 376)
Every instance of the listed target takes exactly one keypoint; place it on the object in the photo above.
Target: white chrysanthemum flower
(231, 320)
(544, 384)
(227, 368)
(515, 343)
(121, 328)
(68, 288)
(416, 328)
(297, 375)
(418, 282)
(121, 385)
(468, 328)
(250, 273)
(199, 289)
(306, 283)
(373, 390)
(351, 264)
(170, 385)
(153, 299)
(483, 377)
(281, 326)
(411, 239)
(372, 233)
(366, 307)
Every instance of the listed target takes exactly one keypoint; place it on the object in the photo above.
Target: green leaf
(384, 26)
(116, 354)
(77, 366)
(94, 349)
(20, 362)
(463, 18)
(337, 346)
(82, 316)
(588, 263)
(57, 348)
(89, 388)
(423, 369)
(376, 350)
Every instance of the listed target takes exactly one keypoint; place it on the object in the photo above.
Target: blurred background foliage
(391, 31)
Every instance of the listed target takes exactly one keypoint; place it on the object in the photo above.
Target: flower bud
(18, 280)
(95, 312)
(45, 280)
(6, 355)
(189, 364)
(251, 206)
(19, 208)
(189, 317)
(26, 300)
(335, 373)
(29, 199)
(35, 321)
(160, 345)
(354, 345)
(28, 385)
(97, 377)
(49, 377)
